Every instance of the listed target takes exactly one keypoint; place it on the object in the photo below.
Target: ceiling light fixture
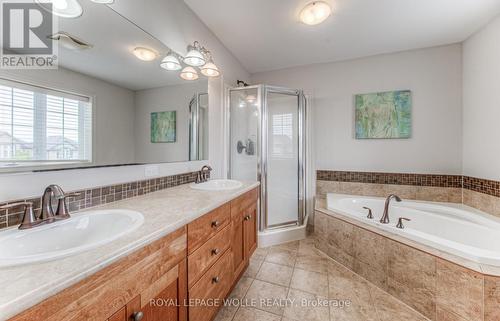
(103, 1)
(170, 62)
(210, 69)
(194, 57)
(189, 73)
(315, 13)
(69, 41)
(62, 8)
(145, 54)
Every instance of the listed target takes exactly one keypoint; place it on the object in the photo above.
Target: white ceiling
(113, 38)
(266, 34)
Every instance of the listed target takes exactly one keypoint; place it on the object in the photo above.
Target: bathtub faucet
(385, 216)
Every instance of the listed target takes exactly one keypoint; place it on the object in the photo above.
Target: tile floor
(295, 281)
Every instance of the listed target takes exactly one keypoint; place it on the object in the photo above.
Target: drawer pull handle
(137, 316)
(215, 224)
(215, 251)
(215, 279)
(248, 217)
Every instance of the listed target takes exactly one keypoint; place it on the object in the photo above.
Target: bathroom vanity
(191, 250)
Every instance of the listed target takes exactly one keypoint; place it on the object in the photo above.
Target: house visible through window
(39, 125)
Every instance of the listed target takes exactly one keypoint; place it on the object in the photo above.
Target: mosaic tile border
(391, 178)
(100, 195)
(480, 185)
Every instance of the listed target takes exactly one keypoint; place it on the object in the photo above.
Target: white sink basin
(217, 185)
(79, 233)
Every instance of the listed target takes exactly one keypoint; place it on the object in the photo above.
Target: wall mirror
(108, 103)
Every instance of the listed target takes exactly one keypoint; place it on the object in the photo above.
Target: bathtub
(450, 228)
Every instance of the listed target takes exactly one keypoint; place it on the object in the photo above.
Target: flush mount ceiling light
(170, 62)
(103, 1)
(210, 69)
(189, 73)
(194, 57)
(62, 8)
(145, 54)
(315, 13)
(69, 42)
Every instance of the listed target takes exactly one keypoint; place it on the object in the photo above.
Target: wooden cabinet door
(250, 230)
(165, 299)
(238, 244)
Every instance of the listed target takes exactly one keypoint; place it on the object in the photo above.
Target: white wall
(183, 27)
(167, 98)
(113, 107)
(433, 75)
(481, 103)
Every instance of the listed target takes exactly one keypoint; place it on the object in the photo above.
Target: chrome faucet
(203, 174)
(51, 192)
(385, 217)
(47, 214)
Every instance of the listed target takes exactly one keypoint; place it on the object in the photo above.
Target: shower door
(267, 144)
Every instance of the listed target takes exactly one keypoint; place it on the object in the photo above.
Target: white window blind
(43, 126)
(282, 136)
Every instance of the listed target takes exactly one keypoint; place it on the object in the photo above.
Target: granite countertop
(164, 212)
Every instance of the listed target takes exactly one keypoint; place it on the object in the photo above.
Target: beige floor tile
(252, 314)
(226, 313)
(350, 288)
(305, 307)
(290, 246)
(241, 288)
(312, 263)
(390, 309)
(253, 268)
(281, 256)
(312, 282)
(266, 295)
(275, 273)
(260, 253)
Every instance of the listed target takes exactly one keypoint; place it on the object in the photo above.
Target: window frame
(40, 165)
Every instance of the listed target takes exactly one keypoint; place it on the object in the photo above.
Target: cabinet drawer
(206, 255)
(211, 289)
(203, 228)
(243, 202)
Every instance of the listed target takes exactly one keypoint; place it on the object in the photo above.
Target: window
(282, 136)
(41, 126)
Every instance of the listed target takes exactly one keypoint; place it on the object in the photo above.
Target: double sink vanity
(173, 254)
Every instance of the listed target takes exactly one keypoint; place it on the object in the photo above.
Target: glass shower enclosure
(266, 137)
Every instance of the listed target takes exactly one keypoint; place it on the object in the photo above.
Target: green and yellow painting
(383, 115)
(163, 127)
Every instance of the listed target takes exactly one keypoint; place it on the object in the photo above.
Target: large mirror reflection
(109, 102)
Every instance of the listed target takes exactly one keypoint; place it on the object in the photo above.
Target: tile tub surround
(164, 212)
(479, 193)
(308, 274)
(99, 195)
(427, 281)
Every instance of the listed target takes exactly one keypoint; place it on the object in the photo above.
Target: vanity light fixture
(210, 69)
(189, 73)
(194, 57)
(315, 13)
(170, 62)
(62, 8)
(145, 54)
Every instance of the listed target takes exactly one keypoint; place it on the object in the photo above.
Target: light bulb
(189, 73)
(315, 13)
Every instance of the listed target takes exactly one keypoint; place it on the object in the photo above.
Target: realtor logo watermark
(25, 31)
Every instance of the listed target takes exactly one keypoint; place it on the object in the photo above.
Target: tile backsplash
(99, 195)
(482, 194)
